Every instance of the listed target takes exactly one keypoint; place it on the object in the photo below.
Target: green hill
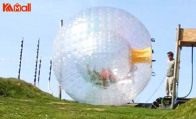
(21, 100)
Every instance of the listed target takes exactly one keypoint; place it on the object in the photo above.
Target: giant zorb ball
(102, 56)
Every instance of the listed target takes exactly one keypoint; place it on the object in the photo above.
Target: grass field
(20, 100)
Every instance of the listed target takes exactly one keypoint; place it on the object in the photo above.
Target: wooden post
(60, 91)
(176, 67)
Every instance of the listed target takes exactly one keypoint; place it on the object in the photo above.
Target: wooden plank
(188, 35)
(187, 43)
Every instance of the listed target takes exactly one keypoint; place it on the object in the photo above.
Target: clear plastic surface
(92, 56)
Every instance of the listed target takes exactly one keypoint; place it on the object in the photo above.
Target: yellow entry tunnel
(141, 56)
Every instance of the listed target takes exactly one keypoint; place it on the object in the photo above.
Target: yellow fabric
(141, 55)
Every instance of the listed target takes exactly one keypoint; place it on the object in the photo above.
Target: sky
(161, 18)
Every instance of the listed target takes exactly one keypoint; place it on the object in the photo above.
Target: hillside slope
(21, 100)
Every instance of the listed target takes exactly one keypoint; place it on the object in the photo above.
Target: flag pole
(50, 76)
(39, 72)
(36, 62)
(20, 62)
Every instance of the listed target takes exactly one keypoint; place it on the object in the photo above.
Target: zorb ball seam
(102, 56)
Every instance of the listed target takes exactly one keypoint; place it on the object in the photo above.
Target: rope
(156, 89)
